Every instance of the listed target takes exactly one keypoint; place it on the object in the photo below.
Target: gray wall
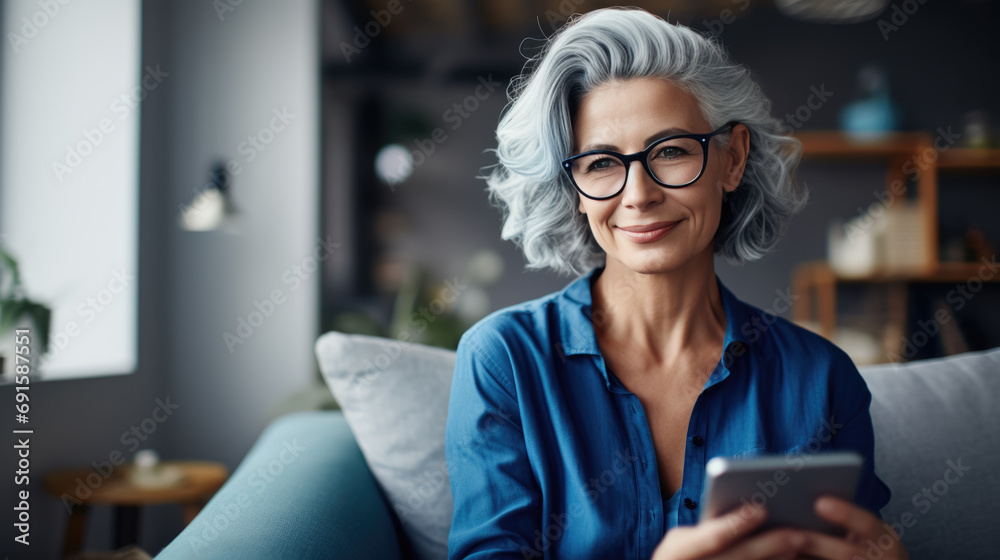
(225, 79)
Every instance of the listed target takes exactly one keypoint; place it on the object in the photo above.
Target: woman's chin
(650, 262)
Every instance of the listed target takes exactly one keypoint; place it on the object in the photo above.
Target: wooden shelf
(816, 282)
(837, 145)
(945, 272)
(969, 159)
(834, 144)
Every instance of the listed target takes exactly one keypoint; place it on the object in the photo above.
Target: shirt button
(690, 504)
(697, 441)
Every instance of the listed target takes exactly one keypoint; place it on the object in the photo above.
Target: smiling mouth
(649, 232)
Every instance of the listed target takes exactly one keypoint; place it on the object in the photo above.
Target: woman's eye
(670, 152)
(601, 164)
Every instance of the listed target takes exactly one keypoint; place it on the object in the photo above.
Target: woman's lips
(647, 234)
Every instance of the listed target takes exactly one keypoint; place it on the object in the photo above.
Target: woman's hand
(867, 536)
(725, 537)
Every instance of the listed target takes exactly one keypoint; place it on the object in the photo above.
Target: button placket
(646, 479)
(694, 464)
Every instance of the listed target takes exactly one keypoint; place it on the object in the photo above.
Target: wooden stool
(199, 482)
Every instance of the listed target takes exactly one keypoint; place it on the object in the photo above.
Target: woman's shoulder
(537, 324)
(525, 319)
(780, 337)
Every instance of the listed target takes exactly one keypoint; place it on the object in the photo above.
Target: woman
(579, 423)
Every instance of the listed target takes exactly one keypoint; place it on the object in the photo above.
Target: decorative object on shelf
(973, 246)
(902, 240)
(851, 247)
(873, 115)
(979, 247)
(17, 311)
(832, 11)
(888, 242)
(960, 259)
(977, 132)
(148, 472)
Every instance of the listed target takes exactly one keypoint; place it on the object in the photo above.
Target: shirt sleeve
(851, 426)
(497, 500)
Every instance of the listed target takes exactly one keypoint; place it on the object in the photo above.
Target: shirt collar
(577, 334)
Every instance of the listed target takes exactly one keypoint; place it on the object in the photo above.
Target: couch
(369, 481)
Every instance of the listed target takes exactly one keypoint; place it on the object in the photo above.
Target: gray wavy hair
(538, 203)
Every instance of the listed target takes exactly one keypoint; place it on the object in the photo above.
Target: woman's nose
(640, 189)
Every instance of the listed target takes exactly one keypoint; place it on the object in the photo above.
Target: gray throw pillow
(937, 446)
(394, 396)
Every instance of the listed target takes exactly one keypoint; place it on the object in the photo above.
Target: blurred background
(273, 170)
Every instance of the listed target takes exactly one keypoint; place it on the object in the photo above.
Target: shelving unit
(817, 282)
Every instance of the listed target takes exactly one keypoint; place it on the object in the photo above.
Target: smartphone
(787, 485)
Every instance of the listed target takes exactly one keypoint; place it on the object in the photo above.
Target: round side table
(199, 481)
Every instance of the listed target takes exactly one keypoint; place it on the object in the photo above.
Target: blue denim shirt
(550, 456)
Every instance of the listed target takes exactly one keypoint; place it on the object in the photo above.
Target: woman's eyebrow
(661, 134)
(664, 133)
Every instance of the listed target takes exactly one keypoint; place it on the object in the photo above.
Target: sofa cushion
(301, 492)
(394, 396)
(937, 446)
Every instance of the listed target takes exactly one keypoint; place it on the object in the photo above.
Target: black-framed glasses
(673, 162)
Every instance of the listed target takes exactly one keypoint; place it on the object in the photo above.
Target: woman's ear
(580, 205)
(737, 152)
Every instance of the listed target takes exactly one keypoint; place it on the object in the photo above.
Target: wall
(227, 77)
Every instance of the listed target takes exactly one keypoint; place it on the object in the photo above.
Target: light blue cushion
(934, 419)
(303, 492)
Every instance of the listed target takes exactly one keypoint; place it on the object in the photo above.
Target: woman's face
(625, 116)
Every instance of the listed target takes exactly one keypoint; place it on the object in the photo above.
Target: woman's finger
(854, 517)
(778, 543)
(819, 545)
(715, 535)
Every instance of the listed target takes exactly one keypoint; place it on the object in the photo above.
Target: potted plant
(17, 311)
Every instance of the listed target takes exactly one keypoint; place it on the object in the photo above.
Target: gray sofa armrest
(937, 446)
(303, 491)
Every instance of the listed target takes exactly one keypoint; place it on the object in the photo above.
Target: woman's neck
(662, 315)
